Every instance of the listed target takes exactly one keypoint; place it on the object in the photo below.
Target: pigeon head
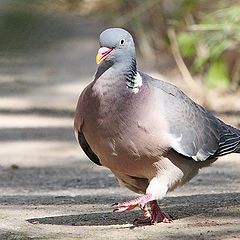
(116, 45)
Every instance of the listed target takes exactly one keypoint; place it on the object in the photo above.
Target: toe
(122, 208)
(166, 220)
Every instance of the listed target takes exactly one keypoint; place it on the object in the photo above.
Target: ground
(50, 190)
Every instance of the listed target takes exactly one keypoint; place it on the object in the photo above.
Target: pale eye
(122, 42)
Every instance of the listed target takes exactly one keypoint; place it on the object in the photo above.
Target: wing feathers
(203, 136)
(87, 149)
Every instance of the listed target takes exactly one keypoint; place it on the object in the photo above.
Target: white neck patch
(135, 83)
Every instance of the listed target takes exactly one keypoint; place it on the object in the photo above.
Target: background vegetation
(203, 36)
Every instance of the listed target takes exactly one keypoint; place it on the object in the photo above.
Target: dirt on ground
(50, 190)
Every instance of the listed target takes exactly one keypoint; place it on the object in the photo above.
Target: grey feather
(196, 132)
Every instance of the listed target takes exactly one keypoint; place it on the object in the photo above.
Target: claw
(114, 204)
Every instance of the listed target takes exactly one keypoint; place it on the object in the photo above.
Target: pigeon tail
(229, 140)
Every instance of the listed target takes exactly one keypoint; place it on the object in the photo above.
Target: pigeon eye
(122, 42)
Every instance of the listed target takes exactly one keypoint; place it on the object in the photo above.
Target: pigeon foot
(131, 204)
(146, 219)
(157, 214)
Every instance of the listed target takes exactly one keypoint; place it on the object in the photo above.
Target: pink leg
(146, 217)
(129, 205)
(153, 217)
(158, 214)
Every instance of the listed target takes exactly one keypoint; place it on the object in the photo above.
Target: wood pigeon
(146, 131)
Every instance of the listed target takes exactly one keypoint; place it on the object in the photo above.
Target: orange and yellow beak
(103, 53)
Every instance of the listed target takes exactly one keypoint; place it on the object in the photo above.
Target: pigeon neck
(131, 71)
(133, 78)
(126, 69)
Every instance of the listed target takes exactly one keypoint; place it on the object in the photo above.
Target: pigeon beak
(103, 53)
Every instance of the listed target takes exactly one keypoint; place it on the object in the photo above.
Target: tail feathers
(238, 149)
(229, 140)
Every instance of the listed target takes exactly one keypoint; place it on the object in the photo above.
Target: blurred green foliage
(207, 42)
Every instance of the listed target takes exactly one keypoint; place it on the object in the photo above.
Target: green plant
(209, 42)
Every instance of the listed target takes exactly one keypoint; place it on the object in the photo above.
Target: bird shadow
(178, 207)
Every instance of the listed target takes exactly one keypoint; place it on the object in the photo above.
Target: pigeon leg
(146, 219)
(131, 204)
(152, 218)
(158, 214)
